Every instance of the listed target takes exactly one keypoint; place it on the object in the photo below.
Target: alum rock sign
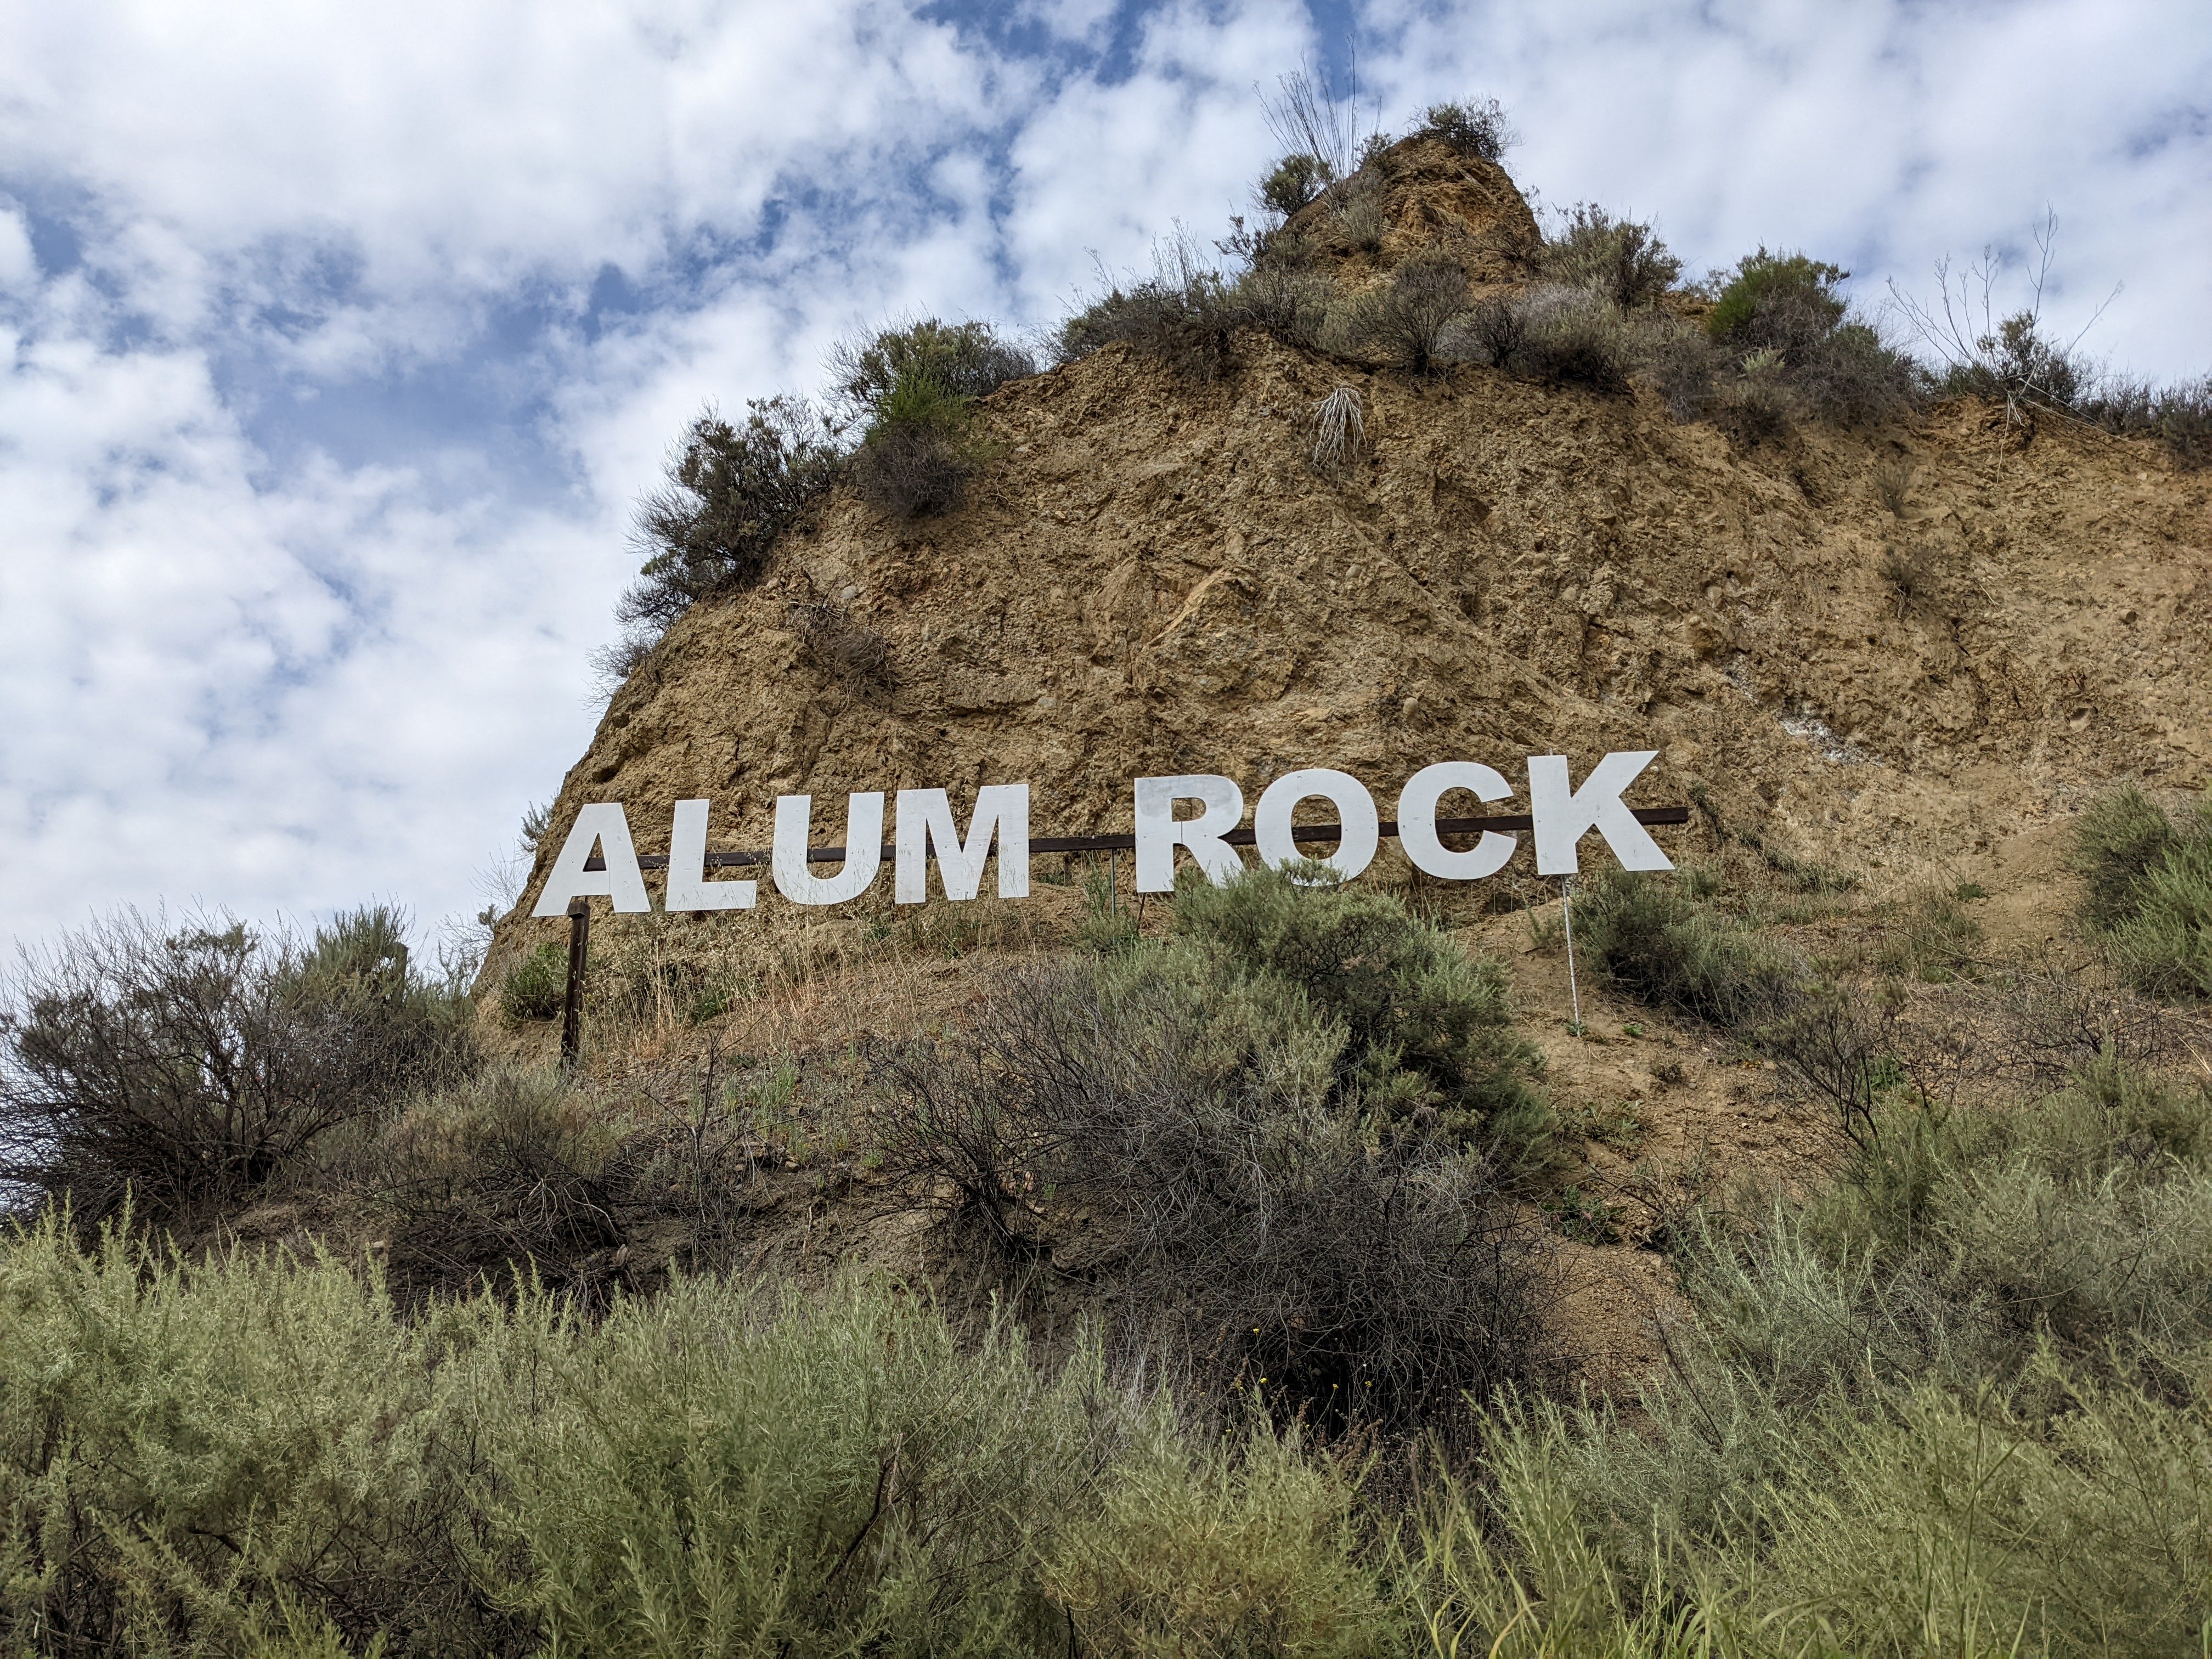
(598, 860)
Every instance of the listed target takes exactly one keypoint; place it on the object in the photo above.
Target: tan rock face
(1154, 577)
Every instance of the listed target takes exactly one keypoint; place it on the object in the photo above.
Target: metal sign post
(1567, 915)
(572, 995)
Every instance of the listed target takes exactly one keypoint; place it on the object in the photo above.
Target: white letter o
(1361, 832)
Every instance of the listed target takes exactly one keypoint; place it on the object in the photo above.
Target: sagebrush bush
(535, 986)
(1622, 259)
(2179, 416)
(2121, 837)
(507, 1176)
(731, 491)
(1286, 299)
(1291, 1129)
(1292, 183)
(1560, 335)
(1185, 316)
(1787, 345)
(1659, 945)
(919, 452)
(184, 1449)
(193, 1064)
(1960, 1389)
(1251, 1548)
(965, 360)
(2147, 890)
(1404, 318)
(1236, 1207)
(1776, 299)
(257, 1455)
(1425, 1024)
(2016, 365)
(914, 390)
(839, 1476)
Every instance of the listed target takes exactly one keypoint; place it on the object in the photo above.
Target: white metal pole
(1567, 912)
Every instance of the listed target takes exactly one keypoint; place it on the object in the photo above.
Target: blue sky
(339, 340)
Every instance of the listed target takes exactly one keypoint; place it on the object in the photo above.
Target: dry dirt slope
(1153, 577)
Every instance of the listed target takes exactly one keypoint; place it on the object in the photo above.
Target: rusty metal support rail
(1506, 821)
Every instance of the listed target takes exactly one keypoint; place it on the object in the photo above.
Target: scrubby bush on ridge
(1622, 259)
(1475, 126)
(914, 389)
(731, 491)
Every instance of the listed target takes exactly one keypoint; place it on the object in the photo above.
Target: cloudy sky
(340, 338)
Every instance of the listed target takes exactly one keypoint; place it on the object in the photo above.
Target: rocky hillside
(1886, 647)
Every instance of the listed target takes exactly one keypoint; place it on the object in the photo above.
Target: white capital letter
(864, 849)
(605, 825)
(1417, 821)
(1359, 832)
(1159, 834)
(1563, 814)
(926, 816)
(688, 886)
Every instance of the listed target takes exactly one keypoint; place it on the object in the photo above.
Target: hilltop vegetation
(1812, 1264)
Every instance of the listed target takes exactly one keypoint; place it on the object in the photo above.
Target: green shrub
(1621, 260)
(704, 1476)
(2122, 837)
(1187, 314)
(185, 1453)
(964, 361)
(194, 1066)
(1186, 321)
(915, 389)
(918, 457)
(732, 490)
(1775, 297)
(1474, 127)
(510, 1175)
(1226, 1549)
(257, 1457)
(2164, 948)
(2147, 890)
(2016, 365)
(1292, 183)
(1961, 1388)
(2179, 416)
(1653, 940)
(1425, 1024)
(536, 986)
(1788, 337)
